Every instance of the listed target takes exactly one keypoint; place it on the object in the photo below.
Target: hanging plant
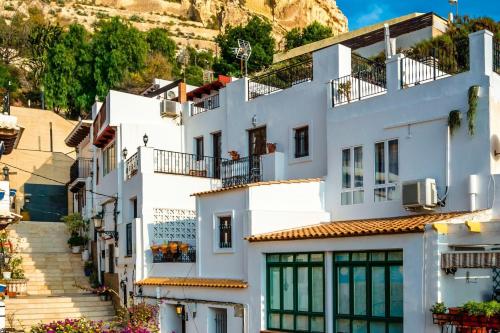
(454, 121)
(471, 113)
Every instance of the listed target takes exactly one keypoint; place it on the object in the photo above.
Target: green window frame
(368, 292)
(295, 299)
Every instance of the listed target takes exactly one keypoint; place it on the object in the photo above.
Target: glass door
(217, 152)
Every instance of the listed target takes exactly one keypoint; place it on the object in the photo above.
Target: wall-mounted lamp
(27, 198)
(5, 172)
(124, 153)
(145, 139)
(179, 309)
(254, 120)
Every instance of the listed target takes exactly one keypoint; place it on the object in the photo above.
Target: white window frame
(386, 185)
(352, 189)
(106, 160)
(291, 143)
(215, 232)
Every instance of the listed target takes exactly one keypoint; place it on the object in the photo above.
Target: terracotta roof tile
(393, 225)
(193, 282)
(272, 182)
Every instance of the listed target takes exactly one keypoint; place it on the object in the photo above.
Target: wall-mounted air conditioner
(169, 109)
(419, 194)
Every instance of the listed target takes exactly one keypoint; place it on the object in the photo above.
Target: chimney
(182, 92)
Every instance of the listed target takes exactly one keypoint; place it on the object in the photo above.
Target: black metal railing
(81, 168)
(496, 55)
(245, 170)
(179, 255)
(280, 79)
(423, 65)
(206, 104)
(132, 166)
(186, 164)
(369, 79)
(225, 241)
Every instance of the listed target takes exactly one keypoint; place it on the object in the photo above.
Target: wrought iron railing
(81, 168)
(132, 166)
(206, 104)
(245, 170)
(496, 55)
(425, 65)
(280, 79)
(368, 80)
(186, 164)
(465, 323)
(179, 255)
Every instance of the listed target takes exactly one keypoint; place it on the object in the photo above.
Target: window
(386, 170)
(295, 292)
(129, 239)
(352, 176)
(301, 141)
(108, 159)
(225, 241)
(257, 141)
(199, 148)
(368, 291)
(134, 208)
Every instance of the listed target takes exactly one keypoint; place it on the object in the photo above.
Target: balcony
(280, 79)
(79, 171)
(132, 166)
(242, 171)
(496, 56)
(174, 252)
(206, 104)
(186, 164)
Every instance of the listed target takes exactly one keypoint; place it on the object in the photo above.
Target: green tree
(312, 33)
(13, 38)
(258, 33)
(118, 49)
(8, 74)
(159, 41)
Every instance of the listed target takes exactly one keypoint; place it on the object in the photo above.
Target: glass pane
(358, 197)
(359, 275)
(345, 198)
(302, 289)
(287, 288)
(377, 327)
(317, 289)
(395, 256)
(343, 290)
(317, 257)
(396, 328)
(359, 256)
(379, 194)
(359, 326)
(273, 257)
(301, 257)
(343, 326)
(358, 166)
(378, 291)
(377, 256)
(274, 285)
(396, 289)
(317, 324)
(391, 193)
(274, 320)
(302, 323)
(393, 161)
(287, 257)
(379, 163)
(287, 323)
(343, 256)
(346, 168)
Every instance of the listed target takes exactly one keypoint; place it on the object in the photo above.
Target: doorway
(257, 141)
(217, 152)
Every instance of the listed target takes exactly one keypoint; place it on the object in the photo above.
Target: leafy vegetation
(312, 33)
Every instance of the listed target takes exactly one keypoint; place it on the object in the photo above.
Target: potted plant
(155, 248)
(172, 246)
(75, 242)
(5, 243)
(234, 155)
(271, 147)
(103, 293)
(439, 313)
(164, 247)
(88, 267)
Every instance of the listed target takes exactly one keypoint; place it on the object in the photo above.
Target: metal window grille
(221, 321)
(225, 241)
(129, 239)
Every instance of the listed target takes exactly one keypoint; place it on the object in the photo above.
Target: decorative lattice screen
(174, 225)
(496, 283)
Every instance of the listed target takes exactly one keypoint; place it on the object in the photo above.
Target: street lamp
(145, 139)
(124, 153)
(5, 171)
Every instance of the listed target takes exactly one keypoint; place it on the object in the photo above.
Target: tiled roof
(193, 282)
(272, 182)
(393, 225)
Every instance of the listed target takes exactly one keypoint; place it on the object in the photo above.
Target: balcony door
(257, 141)
(217, 152)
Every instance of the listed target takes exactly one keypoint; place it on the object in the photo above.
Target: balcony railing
(206, 104)
(81, 168)
(181, 255)
(368, 79)
(425, 65)
(186, 164)
(242, 171)
(464, 323)
(496, 55)
(132, 166)
(280, 79)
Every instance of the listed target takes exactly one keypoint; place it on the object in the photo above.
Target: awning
(483, 259)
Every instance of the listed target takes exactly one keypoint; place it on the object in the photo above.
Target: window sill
(224, 251)
(297, 160)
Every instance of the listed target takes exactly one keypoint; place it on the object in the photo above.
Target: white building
(313, 237)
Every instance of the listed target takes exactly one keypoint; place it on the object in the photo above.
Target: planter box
(17, 286)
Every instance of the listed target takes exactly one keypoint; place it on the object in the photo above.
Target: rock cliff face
(193, 21)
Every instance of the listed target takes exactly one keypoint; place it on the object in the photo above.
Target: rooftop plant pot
(172, 246)
(184, 247)
(75, 249)
(455, 310)
(440, 318)
(271, 147)
(155, 248)
(164, 248)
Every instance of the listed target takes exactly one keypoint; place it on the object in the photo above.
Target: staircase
(53, 274)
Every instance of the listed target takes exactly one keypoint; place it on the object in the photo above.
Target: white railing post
(146, 160)
(481, 52)
(393, 72)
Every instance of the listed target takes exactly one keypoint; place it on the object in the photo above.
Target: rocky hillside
(196, 22)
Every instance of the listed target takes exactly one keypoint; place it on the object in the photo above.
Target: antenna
(453, 3)
(243, 52)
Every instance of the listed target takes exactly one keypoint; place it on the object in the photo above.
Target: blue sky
(361, 13)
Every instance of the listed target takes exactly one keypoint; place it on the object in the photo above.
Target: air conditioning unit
(419, 194)
(168, 109)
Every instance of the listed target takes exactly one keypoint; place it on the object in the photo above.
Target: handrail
(206, 104)
(242, 171)
(132, 166)
(81, 168)
(178, 163)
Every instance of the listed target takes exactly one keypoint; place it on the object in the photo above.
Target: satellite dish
(243, 52)
(170, 94)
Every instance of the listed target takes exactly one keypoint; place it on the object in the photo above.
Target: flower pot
(85, 255)
(440, 318)
(184, 248)
(155, 248)
(75, 249)
(7, 275)
(234, 155)
(271, 148)
(173, 247)
(164, 248)
(454, 311)
(11, 294)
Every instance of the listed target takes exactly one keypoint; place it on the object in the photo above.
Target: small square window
(225, 235)
(301, 141)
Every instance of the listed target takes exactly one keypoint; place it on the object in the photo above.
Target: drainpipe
(473, 191)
